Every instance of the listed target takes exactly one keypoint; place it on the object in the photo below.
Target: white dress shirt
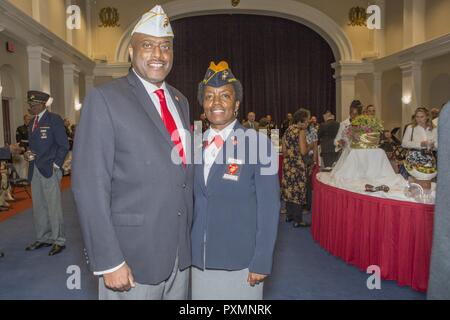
(211, 152)
(151, 88)
(419, 135)
(40, 115)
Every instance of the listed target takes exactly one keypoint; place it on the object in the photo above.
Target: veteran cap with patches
(154, 23)
(39, 97)
(218, 75)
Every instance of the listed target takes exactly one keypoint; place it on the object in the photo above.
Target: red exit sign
(10, 47)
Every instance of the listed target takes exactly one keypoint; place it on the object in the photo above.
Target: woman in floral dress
(295, 171)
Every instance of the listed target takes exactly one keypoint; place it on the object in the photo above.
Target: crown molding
(24, 29)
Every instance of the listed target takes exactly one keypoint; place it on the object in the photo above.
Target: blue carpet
(302, 270)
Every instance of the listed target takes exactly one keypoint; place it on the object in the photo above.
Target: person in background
(48, 147)
(19, 161)
(205, 122)
(251, 122)
(370, 111)
(69, 132)
(237, 205)
(314, 123)
(295, 170)
(327, 132)
(22, 132)
(341, 141)
(391, 146)
(5, 154)
(286, 124)
(264, 126)
(421, 134)
(270, 125)
(420, 137)
(311, 159)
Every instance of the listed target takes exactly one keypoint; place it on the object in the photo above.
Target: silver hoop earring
(235, 113)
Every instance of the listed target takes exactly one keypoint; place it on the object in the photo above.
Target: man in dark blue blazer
(133, 192)
(48, 147)
(237, 198)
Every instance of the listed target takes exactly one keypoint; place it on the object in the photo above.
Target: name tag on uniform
(233, 172)
(44, 132)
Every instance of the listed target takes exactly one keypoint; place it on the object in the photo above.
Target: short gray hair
(238, 91)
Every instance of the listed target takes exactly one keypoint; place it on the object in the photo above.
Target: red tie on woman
(217, 140)
(170, 124)
(36, 123)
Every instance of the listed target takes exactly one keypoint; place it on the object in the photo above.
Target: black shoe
(2, 254)
(56, 249)
(301, 225)
(289, 219)
(37, 245)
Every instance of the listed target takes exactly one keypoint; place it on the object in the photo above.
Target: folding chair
(16, 181)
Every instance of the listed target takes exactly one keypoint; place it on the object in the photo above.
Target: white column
(36, 10)
(413, 22)
(39, 69)
(69, 36)
(89, 27)
(377, 93)
(411, 89)
(380, 35)
(345, 75)
(71, 90)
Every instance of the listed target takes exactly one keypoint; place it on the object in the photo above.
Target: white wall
(364, 88)
(436, 81)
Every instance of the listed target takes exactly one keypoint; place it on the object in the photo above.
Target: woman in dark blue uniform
(236, 198)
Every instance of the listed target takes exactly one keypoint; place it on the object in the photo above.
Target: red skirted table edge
(364, 231)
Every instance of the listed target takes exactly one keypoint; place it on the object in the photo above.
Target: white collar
(150, 87)
(224, 133)
(41, 114)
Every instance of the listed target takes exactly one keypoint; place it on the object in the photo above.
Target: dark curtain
(282, 65)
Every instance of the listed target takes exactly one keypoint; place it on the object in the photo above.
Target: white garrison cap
(155, 23)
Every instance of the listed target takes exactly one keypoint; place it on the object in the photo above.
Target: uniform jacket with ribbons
(49, 143)
(235, 221)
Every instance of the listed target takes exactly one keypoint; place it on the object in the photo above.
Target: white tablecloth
(358, 167)
(370, 166)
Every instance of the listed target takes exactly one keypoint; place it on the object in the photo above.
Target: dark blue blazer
(49, 142)
(235, 222)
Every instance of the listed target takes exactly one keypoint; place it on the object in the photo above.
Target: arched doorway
(296, 11)
(287, 9)
(282, 65)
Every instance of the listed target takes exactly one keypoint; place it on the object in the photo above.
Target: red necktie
(36, 123)
(170, 124)
(217, 140)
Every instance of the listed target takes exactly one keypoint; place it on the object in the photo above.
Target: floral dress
(293, 183)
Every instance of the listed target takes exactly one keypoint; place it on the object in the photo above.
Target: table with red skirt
(364, 230)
